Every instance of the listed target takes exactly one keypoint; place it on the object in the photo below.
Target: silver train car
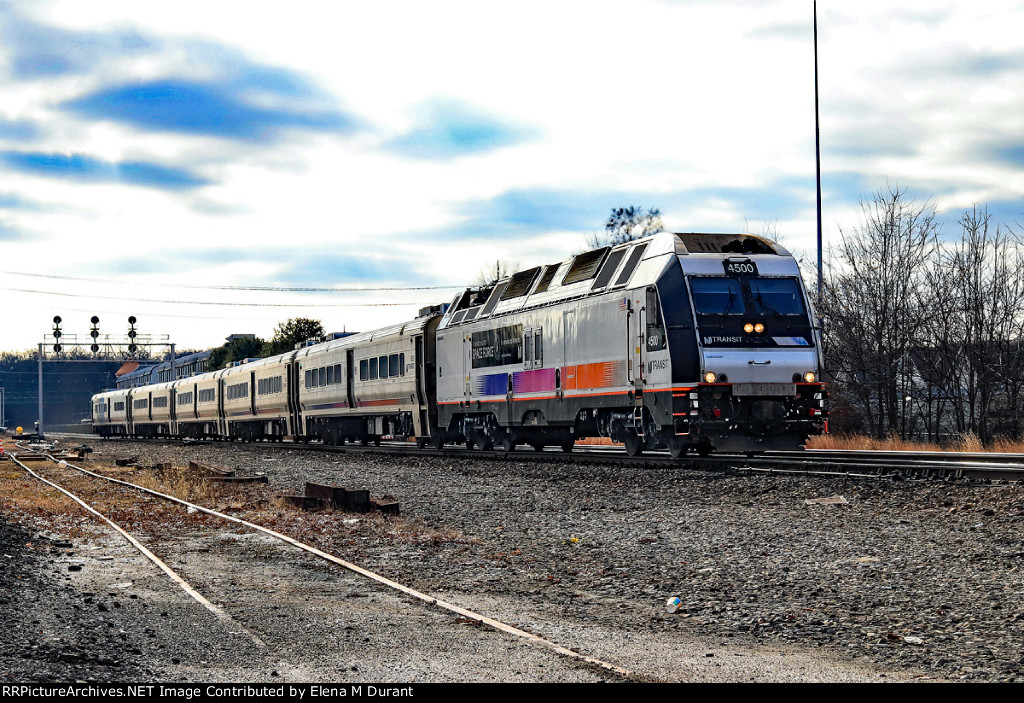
(359, 387)
(690, 342)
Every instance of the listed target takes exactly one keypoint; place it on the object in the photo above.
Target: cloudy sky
(170, 160)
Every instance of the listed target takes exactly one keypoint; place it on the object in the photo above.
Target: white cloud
(639, 99)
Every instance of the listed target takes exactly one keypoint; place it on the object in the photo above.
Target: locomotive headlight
(809, 377)
(710, 377)
(748, 328)
(759, 328)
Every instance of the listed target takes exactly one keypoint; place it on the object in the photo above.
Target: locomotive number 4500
(741, 268)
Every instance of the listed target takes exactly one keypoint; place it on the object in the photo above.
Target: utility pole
(39, 421)
(817, 148)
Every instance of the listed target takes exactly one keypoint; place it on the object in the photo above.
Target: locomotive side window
(655, 332)
(337, 373)
(393, 365)
(717, 296)
(373, 369)
(777, 295)
(364, 370)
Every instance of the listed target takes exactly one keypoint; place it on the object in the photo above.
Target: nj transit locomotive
(695, 342)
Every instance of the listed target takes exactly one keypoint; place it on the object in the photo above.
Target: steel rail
(198, 597)
(430, 600)
(957, 465)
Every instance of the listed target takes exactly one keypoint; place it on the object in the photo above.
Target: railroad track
(25, 456)
(944, 466)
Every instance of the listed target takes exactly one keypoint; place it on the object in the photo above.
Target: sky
(193, 163)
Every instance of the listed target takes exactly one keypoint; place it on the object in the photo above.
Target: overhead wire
(209, 302)
(274, 289)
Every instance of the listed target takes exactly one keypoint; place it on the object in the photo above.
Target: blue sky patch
(309, 266)
(205, 109)
(42, 51)
(18, 130)
(80, 167)
(446, 129)
(10, 234)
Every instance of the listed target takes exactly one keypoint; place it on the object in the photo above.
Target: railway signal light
(94, 333)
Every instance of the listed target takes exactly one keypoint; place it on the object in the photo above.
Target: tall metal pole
(40, 420)
(817, 147)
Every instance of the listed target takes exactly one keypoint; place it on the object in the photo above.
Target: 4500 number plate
(740, 268)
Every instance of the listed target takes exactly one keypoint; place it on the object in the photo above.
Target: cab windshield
(780, 296)
(717, 296)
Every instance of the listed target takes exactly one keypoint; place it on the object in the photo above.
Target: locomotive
(691, 342)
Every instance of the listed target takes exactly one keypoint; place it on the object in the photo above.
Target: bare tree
(625, 224)
(876, 310)
(985, 284)
(491, 275)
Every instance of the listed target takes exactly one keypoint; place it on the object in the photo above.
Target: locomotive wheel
(470, 444)
(538, 447)
(703, 449)
(437, 441)
(376, 441)
(487, 444)
(421, 442)
(567, 445)
(677, 447)
(508, 444)
(365, 441)
(634, 445)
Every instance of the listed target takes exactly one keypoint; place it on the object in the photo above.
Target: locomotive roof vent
(714, 243)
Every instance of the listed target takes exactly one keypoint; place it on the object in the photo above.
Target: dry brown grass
(177, 481)
(967, 443)
(596, 441)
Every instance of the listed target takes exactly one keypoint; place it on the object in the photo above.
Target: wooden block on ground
(388, 507)
(304, 502)
(205, 469)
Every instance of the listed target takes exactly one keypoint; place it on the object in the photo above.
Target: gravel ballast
(904, 581)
